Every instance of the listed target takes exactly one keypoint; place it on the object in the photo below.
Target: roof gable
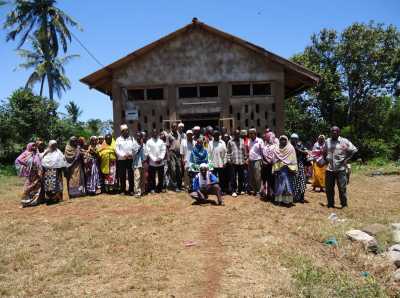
(297, 78)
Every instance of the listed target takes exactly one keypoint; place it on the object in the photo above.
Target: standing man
(236, 156)
(138, 168)
(174, 160)
(254, 162)
(217, 157)
(126, 147)
(156, 150)
(337, 152)
(186, 150)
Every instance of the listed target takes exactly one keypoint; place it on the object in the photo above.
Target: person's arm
(196, 184)
(351, 150)
(213, 179)
(135, 147)
(229, 152)
(224, 153)
(150, 152)
(163, 151)
(118, 150)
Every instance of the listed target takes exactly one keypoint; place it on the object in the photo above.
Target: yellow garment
(107, 154)
(318, 175)
(280, 164)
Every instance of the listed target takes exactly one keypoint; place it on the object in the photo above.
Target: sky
(113, 29)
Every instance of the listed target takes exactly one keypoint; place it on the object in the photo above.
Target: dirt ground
(164, 246)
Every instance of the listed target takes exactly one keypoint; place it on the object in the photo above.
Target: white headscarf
(53, 159)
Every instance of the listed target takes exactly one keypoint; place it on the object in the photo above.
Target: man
(125, 147)
(185, 151)
(196, 132)
(208, 135)
(236, 156)
(204, 184)
(181, 133)
(337, 152)
(156, 150)
(254, 162)
(217, 157)
(138, 166)
(174, 160)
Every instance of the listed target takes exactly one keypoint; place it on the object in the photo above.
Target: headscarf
(285, 156)
(269, 147)
(53, 159)
(26, 160)
(318, 151)
(199, 154)
(71, 152)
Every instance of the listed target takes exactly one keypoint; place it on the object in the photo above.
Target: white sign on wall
(132, 114)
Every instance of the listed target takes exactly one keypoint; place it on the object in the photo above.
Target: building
(200, 75)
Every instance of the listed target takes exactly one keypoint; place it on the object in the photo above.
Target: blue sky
(112, 29)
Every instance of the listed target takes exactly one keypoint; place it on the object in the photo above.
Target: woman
(75, 173)
(319, 165)
(198, 156)
(108, 164)
(30, 166)
(270, 142)
(91, 168)
(284, 169)
(53, 162)
(299, 181)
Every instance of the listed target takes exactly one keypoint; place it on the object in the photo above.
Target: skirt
(76, 181)
(53, 184)
(33, 191)
(318, 175)
(283, 188)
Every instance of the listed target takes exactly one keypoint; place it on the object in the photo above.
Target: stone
(395, 247)
(394, 257)
(374, 229)
(368, 241)
(396, 232)
(396, 275)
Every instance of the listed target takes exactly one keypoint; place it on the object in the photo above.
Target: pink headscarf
(26, 160)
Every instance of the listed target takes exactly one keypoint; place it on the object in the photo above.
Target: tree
(369, 59)
(48, 27)
(94, 126)
(73, 111)
(43, 19)
(45, 67)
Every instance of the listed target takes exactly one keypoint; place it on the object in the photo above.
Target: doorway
(202, 120)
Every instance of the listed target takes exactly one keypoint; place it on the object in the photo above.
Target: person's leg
(160, 177)
(142, 187)
(250, 176)
(342, 186)
(178, 172)
(137, 181)
(152, 178)
(130, 175)
(330, 188)
(233, 178)
(122, 175)
(240, 178)
(172, 170)
(257, 176)
(215, 189)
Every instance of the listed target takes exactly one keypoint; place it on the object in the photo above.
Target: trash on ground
(331, 241)
(189, 243)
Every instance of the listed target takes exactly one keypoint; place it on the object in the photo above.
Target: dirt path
(121, 246)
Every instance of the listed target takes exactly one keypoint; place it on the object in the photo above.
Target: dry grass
(122, 246)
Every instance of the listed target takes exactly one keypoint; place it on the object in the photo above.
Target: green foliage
(358, 68)
(26, 116)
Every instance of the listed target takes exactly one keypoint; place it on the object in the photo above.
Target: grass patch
(7, 170)
(377, 166)
(314, 281)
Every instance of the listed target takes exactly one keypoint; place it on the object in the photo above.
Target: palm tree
(46, 67)
(48, 23)
(73, 111)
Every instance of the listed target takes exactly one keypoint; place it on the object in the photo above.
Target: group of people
(202, 162)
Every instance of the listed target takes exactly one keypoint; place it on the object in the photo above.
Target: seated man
(205, 183)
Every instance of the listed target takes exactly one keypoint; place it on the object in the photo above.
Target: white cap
(204, 166)
(189, 132)
(52, 142)
(196, 128)
(181, 125)
(294, 136)
(124, 127)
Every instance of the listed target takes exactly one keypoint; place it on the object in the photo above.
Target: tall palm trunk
(42, 85)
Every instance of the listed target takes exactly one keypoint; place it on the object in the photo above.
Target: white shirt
(217, 153)
(125, 146)
(186, 151)
(155, 150)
